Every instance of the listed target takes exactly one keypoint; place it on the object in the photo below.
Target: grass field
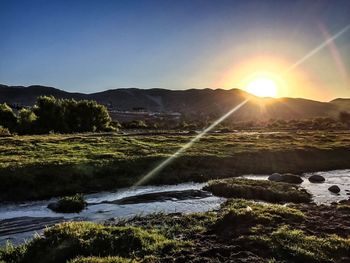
(40, 166)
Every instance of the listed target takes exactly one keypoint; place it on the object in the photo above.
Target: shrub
(4, 132)
(7, 117)
(274, 192)
(69, 204)
(11, 253)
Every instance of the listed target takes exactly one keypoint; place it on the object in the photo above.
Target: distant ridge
(194, 102)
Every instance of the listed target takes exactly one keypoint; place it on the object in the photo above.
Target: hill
(191, 102)
(342, 104)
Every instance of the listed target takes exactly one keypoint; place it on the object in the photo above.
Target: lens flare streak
(317, 49)
(166, 162)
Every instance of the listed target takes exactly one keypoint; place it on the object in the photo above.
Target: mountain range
(194, 102)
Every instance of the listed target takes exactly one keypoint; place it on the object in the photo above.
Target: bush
(136, 124)
(69, 240)
(26, 121)
(274, 192)
(4, 132)
(7, 117)
(69, 204)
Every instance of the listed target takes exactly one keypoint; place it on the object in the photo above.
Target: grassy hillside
(48, 165)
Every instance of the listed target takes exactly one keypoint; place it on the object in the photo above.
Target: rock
(161, 197)
(316, 178)
(334, 189)
(275, 177)
(291, 178)
(286, 178)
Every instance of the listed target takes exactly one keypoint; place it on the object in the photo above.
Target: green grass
(274, 192)
(21, 151)
(270, 212)
(42, 166)
(67, 241)
(103, 260)
(174, 226)
(241, 217)
(292, 245)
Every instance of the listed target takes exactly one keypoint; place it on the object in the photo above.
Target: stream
(19, 221)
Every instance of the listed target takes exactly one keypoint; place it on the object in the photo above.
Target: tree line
(50, 114)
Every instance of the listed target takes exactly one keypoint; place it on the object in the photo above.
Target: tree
(50, 114)
(26, 121)
(91, 116)
(8, 118)
(67, 115)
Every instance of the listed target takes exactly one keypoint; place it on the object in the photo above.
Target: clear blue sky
(90, 46)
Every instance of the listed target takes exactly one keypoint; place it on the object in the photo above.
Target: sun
(262, 87)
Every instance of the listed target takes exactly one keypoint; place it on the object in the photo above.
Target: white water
(319, 191)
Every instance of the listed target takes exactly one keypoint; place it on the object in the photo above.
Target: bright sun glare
(262, 87)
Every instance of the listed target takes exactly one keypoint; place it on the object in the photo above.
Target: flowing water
(319, 191)
(21, 220)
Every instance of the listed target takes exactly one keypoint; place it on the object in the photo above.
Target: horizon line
(168, 89)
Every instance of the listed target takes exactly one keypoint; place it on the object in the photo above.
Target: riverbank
(38, 167)
(19, 222)
(240, 231)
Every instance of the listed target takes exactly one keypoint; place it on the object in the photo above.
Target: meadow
(41, 166)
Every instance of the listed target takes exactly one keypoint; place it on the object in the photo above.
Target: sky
(89, 46)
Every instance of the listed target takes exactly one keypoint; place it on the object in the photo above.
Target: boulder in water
(286, 178)
(334, 189)
(275, 177)
(161, 197)
(316, 178)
